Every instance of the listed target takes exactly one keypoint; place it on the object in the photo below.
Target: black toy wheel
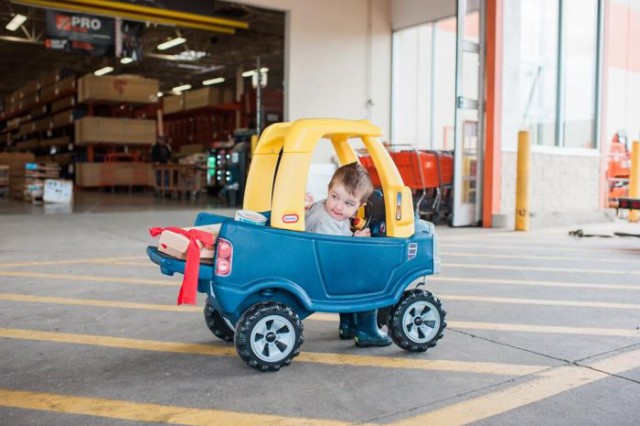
(416, 322)
(217, 324)
(383, 316)
(268, 336)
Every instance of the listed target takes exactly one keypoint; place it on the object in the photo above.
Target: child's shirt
(318, 220)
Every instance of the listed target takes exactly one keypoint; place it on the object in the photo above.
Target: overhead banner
(79, 33)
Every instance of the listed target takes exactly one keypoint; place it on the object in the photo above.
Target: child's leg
(367, 331)
(347, 327)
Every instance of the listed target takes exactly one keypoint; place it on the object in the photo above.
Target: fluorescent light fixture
(103, 71)
(171, 43)
(182, 88)
(159, 94)
(213, 81)
(16, 22)
(251, 73)
(189, 55)
(126, 60)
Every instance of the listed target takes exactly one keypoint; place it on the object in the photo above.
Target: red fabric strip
(188, 289)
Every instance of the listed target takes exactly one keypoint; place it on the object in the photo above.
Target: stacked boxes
(129, 89)
(121, 131)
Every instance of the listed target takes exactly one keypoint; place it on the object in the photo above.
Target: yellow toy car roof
(280, 188)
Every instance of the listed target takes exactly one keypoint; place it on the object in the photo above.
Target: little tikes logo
(290, 218)
(80, 24)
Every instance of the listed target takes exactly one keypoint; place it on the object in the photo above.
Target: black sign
(79, 33)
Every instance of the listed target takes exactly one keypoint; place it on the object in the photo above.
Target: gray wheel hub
(421, 322)
(273, 338)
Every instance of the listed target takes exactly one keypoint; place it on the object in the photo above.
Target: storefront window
(538, 69)
(580, 56)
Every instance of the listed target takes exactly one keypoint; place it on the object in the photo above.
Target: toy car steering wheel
(362, 218)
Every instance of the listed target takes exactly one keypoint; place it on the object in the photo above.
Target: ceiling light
(103, 71)
(182, 88)
(213, 81)
(171, 43)
(190, 55)
(251, 73)
(16, 22)
(159, 94)
(126, 60)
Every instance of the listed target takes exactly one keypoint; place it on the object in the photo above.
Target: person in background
(349, 188)
(161, 154)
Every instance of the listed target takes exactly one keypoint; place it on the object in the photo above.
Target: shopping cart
(428, 173)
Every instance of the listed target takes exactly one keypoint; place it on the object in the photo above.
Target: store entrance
(437, 70)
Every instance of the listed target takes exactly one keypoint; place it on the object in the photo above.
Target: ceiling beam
(164, 18)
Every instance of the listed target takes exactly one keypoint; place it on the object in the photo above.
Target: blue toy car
(266, 279)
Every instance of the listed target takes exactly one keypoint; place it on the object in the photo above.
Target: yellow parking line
(145, 412)
(408, 363)
(545, 247)
(69, 261)
(93, 302)
(538, 268)
(591, 331)
(534, 257)
(11, 297)
(70, 277)
(518, 301)
(548, 384)
(469, 280)
(524, 328)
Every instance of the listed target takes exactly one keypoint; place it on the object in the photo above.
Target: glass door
(469, 114)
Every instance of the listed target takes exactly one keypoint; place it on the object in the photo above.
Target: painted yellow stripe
(526, 246)
(141, 412)
(11, 297)
(548, 384)
(70, 261)
(518, 301)
(591, 259)
(592, 331)
(435, 278)
(319, 358)
(523, 327)
(334, 318)
(69, 277)
(100, 303)
(538, 268)
(468, 280)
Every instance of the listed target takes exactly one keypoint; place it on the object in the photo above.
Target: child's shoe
(367, 332)
(347, 326)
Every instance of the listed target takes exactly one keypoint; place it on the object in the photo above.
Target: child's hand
(366, 232)
(308, 200)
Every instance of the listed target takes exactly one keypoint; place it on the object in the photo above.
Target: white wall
(338, 60)
(406, 13)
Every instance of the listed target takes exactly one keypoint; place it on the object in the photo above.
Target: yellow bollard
(634, 179)
(522, 181)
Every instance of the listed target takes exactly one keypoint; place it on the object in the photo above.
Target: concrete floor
(543, 328)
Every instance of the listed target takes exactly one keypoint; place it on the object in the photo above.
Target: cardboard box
(125, 131)
(203, 97)
(174, 103)
(62, 104)
(62, 119)
(132, 89)
(92, 175)
(49, 78)
(175, 245)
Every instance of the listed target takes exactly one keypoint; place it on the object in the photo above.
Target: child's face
(340, 204)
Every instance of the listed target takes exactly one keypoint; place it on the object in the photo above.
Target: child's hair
(355, 180)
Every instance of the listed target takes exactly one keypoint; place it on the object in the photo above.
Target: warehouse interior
(200, 94)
